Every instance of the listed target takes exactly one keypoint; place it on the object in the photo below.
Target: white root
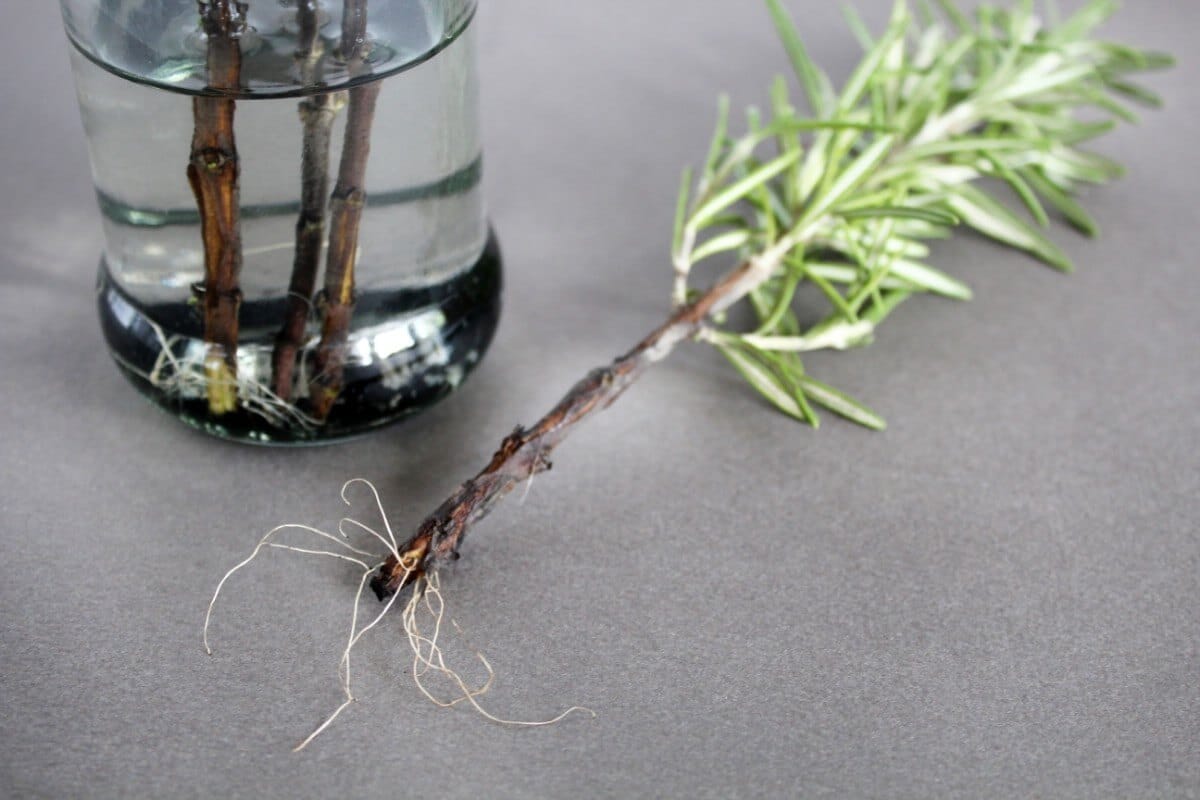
(185, 376)
(264, 542)
(343, 667)
(429, 655)
(392, 547)
(426, 601)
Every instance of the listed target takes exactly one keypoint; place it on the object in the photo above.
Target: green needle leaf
(971, 144)
(840, 403)
(930, 215)
(796, 125)
(990, 218)
(1072, 212)
(849, 200)
(1086, 131)
(1021, 187)
(1152, 60)
(1137, 93)
(1037, 83)
(718, 140)
(807, 72)
(858, 27)
(768, 384)
(850, 178)
(720, 244)
(1082, 22)
(951, 10)
(872, 61)
(929, 279)
(735, 192)
(681, 211)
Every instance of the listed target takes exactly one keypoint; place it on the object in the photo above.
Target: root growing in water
(183, 375)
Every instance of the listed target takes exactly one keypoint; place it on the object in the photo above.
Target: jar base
(407, 349)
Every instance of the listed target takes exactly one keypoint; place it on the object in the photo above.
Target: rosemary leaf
(990, 218)
(846, 201)
(809, 74)
(738, 190)
(841, 403)
(926, 278)
(767, 383)
(930, 215)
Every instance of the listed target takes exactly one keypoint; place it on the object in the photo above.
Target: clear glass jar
(296, 247)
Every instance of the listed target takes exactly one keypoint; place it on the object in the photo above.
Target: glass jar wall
(296, 246)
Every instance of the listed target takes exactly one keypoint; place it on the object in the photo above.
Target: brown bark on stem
(213, 174)
(316, 114)
(345, 213)
(526, 451)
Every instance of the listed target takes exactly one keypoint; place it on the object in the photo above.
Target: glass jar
(296, 247)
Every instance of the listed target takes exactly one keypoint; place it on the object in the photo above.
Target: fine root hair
(423, 615)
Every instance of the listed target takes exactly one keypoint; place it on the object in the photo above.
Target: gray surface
(996, 597)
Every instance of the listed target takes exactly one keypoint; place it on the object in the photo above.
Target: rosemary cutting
(213, 172)
(845, 200)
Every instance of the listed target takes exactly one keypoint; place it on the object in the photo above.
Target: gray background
(996, 597)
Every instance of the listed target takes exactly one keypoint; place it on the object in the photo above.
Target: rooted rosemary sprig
(844, 202)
